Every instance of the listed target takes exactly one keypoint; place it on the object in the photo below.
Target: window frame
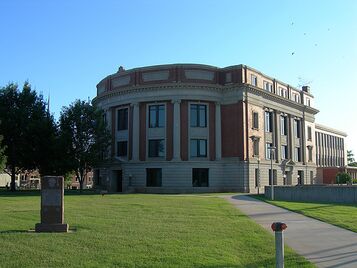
(254, 78)
(126, 150)
(197, 182)
(150, 155)
(198, 147)
(156, 111)
(126, 121)
(198, 114)
(255, 120)
(149, 180)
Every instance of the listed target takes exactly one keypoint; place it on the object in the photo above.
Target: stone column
(218, 132)
(303, 142)
(291, 138)
(136, 133)
(176, 131)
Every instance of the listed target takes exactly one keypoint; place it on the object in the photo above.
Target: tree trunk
(13, 177)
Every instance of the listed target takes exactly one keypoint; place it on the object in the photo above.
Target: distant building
(5, 179)
(199, 128)
(87, 183)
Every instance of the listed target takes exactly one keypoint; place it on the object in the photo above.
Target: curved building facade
(198, 128)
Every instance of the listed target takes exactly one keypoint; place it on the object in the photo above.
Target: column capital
(134, 104)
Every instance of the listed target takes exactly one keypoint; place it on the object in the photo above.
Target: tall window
(255, 120)
(122, 119)
(156, 148)
(198, 115)
(267, 150)
(297, 154)
(198, 148)
(153, 177)
(257, 183)
(309, 148)
(156, 116)
(282, 92)
(309, 134)
(284, 152)
(200, 177)
(308, 102)
(283, 125)
(254, 80)
(122, 148)
(268, 122)
(297, 128)
(268, 86)
(256, 147)
(296, 97)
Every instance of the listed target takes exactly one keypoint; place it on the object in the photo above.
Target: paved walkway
(321, 243)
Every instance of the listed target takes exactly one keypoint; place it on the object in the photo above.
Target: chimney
(121, 69)
(306, 89)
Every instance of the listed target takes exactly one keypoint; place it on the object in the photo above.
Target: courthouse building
(198, 128)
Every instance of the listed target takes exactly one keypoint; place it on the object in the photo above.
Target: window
(156, 116)
(123, 119)
(122, 148)
(198, 115)
(284, 152)
(200, 177)
(308, 102)
(255, 120)
(296, 97)
(297, 154)
(309, 134)
(156, 148)
(267, 150)
(282, 92)
(257, 183)
(268, 86)
(198, 148)
(256, 147)
(283, 125)
(268, 122)
(300, 177)
(309, 148)
(153, 177)
(297, 128)
(274, 175)
(254, 80)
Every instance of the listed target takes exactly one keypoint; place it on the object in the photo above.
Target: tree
(343, 177)
(28, 130)
(2, 155)
(84, 137)
(350, 157)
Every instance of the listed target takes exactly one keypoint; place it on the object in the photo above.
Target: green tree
(350, 157)
(84, 137)
(343, 177)
(28, 129)
(2, 155)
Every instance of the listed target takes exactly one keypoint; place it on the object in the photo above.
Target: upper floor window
(198, 148)
(198, 115)
(283, 125)
(268, 86)
(122, 148)
(297, 128)
(296, 97)
(282, 92)
(255, 147)
(309, 134)
(297, 154)
(156, 116)
(268, 122)
(122, 119)
(269, 153)
(254, 80)
(308, 102)
(156, 148)
(255, 120)
(284, 151)
(309, 148)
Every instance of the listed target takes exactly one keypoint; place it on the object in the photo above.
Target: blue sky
(64, 48)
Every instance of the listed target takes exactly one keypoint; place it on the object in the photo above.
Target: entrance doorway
(119, 178)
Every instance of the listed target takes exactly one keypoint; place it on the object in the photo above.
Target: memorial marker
(52, 205)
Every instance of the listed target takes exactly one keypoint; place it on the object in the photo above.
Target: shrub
(343, 177)
(354, 181)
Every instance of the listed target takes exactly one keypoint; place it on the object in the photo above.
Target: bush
(354, 181)
(343, 177)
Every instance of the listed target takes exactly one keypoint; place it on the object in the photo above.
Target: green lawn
(344, 216)
(137, 231)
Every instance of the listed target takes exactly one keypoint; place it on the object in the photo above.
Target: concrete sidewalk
(321, 243)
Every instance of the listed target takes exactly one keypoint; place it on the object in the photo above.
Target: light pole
(258, 175)
(272, 148)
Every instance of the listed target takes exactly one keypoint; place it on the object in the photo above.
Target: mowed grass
(344, 216)
(137, 231)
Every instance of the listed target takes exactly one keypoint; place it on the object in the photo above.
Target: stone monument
(52, 205)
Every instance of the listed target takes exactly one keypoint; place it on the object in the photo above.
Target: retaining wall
(315, 193)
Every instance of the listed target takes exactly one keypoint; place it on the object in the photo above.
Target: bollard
(278, 228)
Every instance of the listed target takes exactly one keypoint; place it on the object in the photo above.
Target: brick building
(198, 128)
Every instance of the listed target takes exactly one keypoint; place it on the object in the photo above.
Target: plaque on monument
(52, 205)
